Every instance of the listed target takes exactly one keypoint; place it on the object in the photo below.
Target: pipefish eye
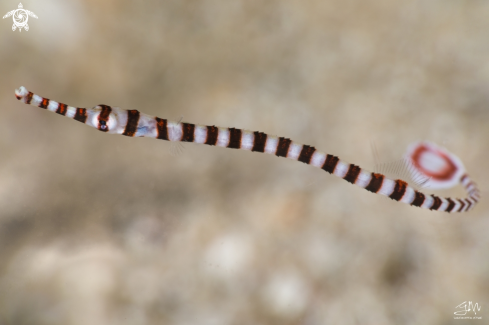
(107, 124)
(103, 125)
(105, 120)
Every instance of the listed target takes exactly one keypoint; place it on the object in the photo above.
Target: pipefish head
(107, 119)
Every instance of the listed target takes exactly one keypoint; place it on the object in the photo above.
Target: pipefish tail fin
(441, 168)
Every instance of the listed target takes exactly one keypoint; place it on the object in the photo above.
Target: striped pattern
(132, 123)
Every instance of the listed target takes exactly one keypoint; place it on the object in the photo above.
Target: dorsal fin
(399, 169)
(176, 147)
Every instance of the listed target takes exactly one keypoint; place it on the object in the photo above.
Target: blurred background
(103, 229)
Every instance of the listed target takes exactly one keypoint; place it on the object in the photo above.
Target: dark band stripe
(44, 103)
(188, 132)
(450, 206)
(306, 154)
(418, 199)
(462, 205)
(62, 108)
(436, 202)
(462, 179)
(259, 141)
(469, 184)
(234, 138)
(162, 128)
(330, 163)
(282, 147)
(375, 183)
(81, 115)
(103, 118)
(28, 98)
(132, 123)
(399, 190)
(104, 114)
(469, 204)
(212, 133)
(352, 174)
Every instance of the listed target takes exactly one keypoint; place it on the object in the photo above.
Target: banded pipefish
(441, 167)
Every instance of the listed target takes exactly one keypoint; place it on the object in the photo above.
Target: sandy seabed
(101, 229)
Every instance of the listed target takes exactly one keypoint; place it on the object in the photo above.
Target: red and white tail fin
(442, 168)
